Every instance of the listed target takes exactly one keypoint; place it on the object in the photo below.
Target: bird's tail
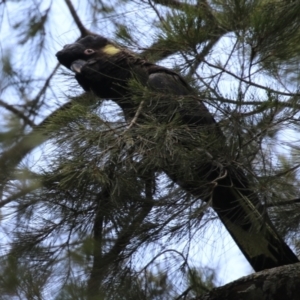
(249, 225)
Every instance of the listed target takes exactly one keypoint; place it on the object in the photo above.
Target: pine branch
(16, 112)
(80, 26)
(13, 156)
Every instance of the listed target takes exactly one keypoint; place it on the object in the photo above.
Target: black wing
(193, 111)
(237, 206)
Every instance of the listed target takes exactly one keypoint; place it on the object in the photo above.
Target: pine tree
(87, 212)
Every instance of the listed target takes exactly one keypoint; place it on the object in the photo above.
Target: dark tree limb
(94, 282)
(16, 112)
(83, 30)
(272, 284)
(172, 4)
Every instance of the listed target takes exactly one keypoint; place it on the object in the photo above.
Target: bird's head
(73, 56)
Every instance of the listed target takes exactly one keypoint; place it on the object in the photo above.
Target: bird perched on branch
(104, 68)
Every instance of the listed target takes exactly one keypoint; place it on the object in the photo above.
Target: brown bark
(272, 284)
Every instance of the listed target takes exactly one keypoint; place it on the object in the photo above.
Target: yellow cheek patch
(111, 49)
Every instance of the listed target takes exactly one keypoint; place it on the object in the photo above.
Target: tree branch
(12, 157)
(17, 113)
(249, 81)
(274, 284)
(283, 203)
(172, 4)
(80, 26)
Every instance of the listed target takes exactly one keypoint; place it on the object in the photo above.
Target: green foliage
(95, 208)
(6, 65)
(123, 33)
(186, 28)
(201, 281)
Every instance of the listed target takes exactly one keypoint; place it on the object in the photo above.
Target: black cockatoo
(104, 68)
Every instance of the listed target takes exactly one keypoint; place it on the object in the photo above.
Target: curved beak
(77, 65)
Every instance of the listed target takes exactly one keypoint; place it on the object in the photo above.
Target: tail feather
(244, 217)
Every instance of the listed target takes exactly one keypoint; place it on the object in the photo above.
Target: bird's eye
(89, 51)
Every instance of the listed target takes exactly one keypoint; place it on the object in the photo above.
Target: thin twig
(250, 82)
(17, 113)
(283, 203)
(133, 121)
